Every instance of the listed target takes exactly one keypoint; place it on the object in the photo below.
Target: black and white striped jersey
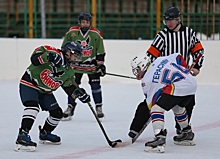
(183, 41)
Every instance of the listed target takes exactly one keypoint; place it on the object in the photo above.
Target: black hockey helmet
(84, 16)
(73, 47)
(172, 13)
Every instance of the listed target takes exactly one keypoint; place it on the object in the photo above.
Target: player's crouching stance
(167, 84)
(46, 73)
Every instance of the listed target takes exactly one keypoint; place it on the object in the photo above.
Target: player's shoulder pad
(96, 31)
(73, 28)
(52, 49)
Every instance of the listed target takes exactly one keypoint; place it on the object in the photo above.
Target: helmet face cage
(140, 63)
(135, 70)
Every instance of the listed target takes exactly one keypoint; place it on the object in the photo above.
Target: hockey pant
(33, 100)
(142, 115)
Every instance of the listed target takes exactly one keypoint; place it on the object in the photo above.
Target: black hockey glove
(83, 96)
(101, 70)
(55, 59)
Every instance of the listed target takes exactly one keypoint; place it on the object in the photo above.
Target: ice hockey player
(49, 69)
(91, 63)
(167, 84)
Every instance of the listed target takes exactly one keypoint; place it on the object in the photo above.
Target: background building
(116, 19)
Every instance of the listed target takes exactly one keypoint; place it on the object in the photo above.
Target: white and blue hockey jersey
(168, 72)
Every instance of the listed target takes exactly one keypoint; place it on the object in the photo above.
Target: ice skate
(186, 138)
(158, 144)
(48, 138)
(68, 113)
(24, 143)
(99, 112)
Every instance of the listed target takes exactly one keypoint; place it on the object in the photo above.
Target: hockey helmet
(75, 48)
(84, 16)
(172, 13)
(140, 63)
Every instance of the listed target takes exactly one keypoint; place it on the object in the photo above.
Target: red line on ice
(99, 150)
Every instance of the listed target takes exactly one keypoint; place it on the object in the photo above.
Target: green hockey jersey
(45, 77)
(93, 48)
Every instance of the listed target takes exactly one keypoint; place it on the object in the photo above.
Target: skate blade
(46, 142)
(22, 148)
(185, 143)
(158, 149)
(69, 118)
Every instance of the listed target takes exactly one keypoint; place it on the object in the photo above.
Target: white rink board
(16, 54)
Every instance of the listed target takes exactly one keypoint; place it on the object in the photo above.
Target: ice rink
(82, 137)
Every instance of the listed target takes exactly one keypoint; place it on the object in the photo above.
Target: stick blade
(123, 144)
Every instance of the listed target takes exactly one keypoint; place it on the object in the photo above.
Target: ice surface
(82, 137)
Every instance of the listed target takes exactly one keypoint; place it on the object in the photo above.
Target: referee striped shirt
(183, 41)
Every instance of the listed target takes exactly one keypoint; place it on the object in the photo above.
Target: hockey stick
(111, 143)
(195, 61)
(131, 141)
(140, 132)
(112, 74)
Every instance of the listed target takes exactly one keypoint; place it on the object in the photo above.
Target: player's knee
(141, 116)
(142, 107)
(179, 110)
(57, 113)
(157, 108)
(31, 103)
(95, 86)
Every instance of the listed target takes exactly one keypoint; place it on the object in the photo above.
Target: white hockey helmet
(140, 63)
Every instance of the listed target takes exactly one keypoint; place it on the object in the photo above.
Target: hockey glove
(83, 96)
(55, 59)
(101, 70)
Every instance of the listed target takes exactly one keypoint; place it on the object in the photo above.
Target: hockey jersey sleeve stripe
(155, 52)
(29, 84)
(197, 47)
(40, 60)
(84, 68)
